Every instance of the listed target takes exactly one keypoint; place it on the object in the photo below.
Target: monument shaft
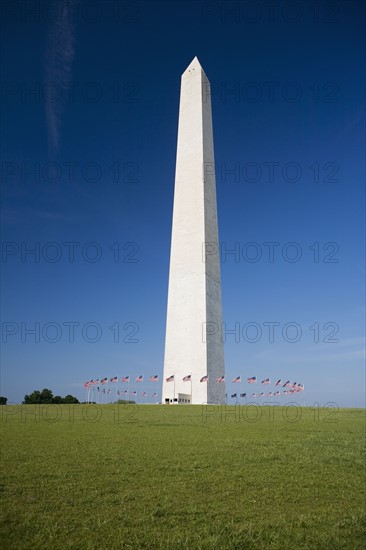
(194, 296)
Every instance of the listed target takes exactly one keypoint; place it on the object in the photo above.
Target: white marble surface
(194, 296)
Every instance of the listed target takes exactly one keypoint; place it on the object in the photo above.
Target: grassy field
(181, 477)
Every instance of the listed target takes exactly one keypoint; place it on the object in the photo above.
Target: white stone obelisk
(194, 296)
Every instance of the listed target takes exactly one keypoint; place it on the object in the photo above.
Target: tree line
(46, 397)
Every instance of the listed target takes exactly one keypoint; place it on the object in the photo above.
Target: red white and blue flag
(144, 394)
(114, 379)
(220, 379)
(266, 381)
(154, 378)
(243, 395)
(204, 378)
(104, 381)
(278, 382)
(139, 378)
(269, 394)
(233, 395)
(277, 393)
(236, 380)
(187, 378)
(125, 379)
(286, 384)
(154, 394)
(170, 379)
(252, 380)
(133, 393)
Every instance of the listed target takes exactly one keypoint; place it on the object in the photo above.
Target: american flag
(220, 379)
(104, 380)
(170, 379)
(252, 380)
(95, 382)
(253, 394)
(125, 378)
(278, 382)
(269, 394)
(133, 393)
(154, 378)
(260, 394)
(236, 380)
(286, 392)
(277, 393)
(266, 381)
(243, 395)
(114, 379)
(288, 383)
(86, 385)
(139, 378)
(154, 394)
(125, 391)
(204, 378)
(233, 395)
(144, 394)
(187, 378)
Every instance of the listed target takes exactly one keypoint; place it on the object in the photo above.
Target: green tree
(33, 398)
(46, 396)
(57, 400)
(3, 400)
(70, 399)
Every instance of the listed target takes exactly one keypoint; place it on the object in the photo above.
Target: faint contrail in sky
(58, 64)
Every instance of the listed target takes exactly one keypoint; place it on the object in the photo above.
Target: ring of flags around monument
(288, 388)
(102, 392)
(293, 387)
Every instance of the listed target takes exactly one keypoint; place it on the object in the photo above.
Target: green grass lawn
(181, 477)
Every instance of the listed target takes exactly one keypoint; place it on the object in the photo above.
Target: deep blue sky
(120, 109)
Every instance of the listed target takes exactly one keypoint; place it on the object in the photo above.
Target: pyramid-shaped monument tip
(194, 65)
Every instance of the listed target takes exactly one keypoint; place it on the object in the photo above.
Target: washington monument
(193, 347)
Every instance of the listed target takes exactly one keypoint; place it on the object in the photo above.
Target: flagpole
(174, 388)
(191, 388)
